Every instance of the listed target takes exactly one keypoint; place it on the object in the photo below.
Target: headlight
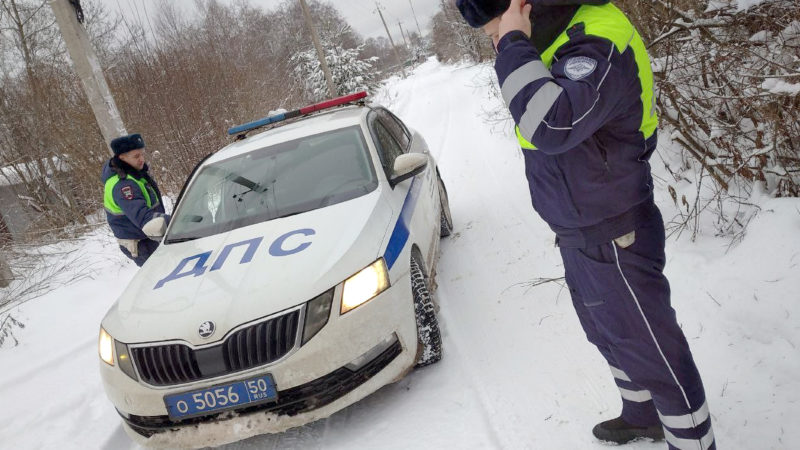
(317, 312)
(363, 286)
(106, 345)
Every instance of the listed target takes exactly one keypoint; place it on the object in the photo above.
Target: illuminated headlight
(365, 285)
(106, 346)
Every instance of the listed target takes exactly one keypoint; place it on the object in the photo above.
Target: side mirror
(408, 166)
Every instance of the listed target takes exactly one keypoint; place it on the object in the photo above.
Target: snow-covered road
(517, 372)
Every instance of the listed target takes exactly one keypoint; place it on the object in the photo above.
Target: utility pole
(320, 54)
(69, 17)
(391, 41)
(415, 18)
(399, 24)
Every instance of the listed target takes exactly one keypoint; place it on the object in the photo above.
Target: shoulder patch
(579, 67)
(127, 193)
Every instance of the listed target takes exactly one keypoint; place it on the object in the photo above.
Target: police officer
(132, 200)
(579, 86)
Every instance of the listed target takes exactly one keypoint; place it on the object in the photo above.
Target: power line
(415, 17)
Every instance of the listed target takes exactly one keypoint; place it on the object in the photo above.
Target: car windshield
(278, 181)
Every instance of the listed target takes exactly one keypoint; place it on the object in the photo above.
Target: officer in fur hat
(132, 200)
(576, 78)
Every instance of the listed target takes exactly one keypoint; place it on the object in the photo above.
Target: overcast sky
(359, 13)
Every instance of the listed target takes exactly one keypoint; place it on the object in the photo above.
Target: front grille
(262, 343)
(306, 397)
(166, 364)
(255, 345)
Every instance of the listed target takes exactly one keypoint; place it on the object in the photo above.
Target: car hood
(171, 296)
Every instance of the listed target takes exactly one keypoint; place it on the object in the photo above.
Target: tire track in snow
(452, 117)
(453, 344)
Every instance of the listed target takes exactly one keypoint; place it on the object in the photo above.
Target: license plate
(218, 398)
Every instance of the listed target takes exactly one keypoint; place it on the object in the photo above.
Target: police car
(293, 280)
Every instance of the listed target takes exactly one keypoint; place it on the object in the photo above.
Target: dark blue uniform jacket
(128, 195)
(589, 177)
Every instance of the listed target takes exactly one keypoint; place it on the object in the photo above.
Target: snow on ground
(518, 372)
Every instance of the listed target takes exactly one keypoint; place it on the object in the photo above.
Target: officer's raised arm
(556, 100)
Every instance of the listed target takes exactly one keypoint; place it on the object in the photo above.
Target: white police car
(293, 281)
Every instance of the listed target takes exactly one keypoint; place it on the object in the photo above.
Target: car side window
(388, 148)
(396, 128)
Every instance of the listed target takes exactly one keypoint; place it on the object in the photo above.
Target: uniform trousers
(622, 299)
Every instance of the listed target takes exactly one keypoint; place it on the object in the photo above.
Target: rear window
(278, 181)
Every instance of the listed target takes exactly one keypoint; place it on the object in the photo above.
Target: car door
(410, 199)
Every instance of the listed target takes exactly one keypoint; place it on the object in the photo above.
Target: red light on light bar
(333, 102)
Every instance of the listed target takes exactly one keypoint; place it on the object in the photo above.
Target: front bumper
(291, 402)
(336, 368)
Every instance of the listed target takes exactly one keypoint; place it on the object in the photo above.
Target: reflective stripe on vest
(108, 196)
(608, 22)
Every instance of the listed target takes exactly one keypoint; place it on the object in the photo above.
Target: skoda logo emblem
(206, 329)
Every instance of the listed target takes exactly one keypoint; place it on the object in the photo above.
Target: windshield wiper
(183, 239)
(238, 179)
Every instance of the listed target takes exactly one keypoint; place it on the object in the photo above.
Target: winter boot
(621, 432)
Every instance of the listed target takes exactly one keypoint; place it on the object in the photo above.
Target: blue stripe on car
(400, 233)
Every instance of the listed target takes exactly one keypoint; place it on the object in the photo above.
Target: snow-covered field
(518, 372)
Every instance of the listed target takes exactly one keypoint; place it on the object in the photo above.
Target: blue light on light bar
(258, 123)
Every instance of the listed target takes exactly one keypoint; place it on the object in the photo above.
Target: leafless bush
(39, 269)
(7, 326)
(728, 84)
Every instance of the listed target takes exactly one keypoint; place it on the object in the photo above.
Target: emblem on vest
(579, 67)
(127, 193)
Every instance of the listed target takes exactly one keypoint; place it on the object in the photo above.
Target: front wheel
(446, 220)
(429, 338)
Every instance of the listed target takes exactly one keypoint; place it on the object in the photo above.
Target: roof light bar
(298, 112)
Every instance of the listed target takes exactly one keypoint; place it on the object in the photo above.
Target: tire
(429, 338)
(446, 219)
